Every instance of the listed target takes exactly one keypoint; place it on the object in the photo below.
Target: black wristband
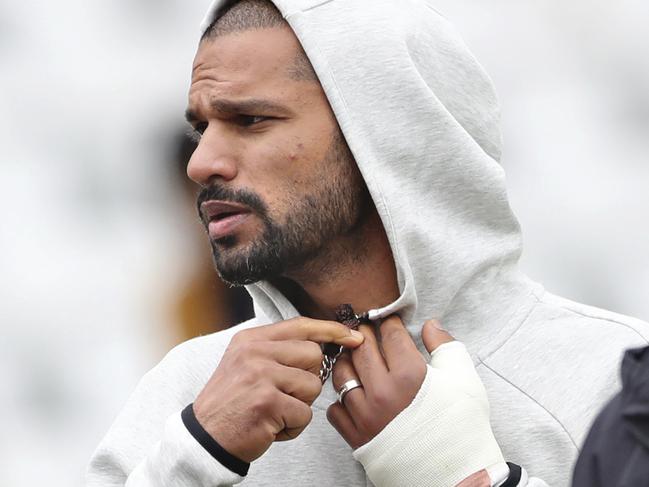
(514, 475)
(211, 445)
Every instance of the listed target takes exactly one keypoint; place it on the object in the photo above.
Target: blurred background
(104, 265)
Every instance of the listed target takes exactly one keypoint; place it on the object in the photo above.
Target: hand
(263, 387)
(412, 428)
(391, 371)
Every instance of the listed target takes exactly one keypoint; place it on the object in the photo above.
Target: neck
(357, 269)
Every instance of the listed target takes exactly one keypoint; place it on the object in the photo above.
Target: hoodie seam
(518, 328)
(436, 11)
(548, 412)
(539, 300)
(609, 320)
(324, 2)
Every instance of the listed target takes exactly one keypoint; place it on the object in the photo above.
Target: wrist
(210, 444)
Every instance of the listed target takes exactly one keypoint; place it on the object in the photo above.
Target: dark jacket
(616, 451)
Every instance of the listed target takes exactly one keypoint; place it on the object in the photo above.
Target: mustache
(223, 193)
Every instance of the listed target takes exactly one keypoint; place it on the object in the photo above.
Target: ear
(433, 335)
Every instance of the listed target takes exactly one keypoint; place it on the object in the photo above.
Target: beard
(336, 206)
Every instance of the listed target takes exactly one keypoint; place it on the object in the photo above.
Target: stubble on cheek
(308, 203)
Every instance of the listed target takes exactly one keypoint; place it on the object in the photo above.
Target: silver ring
(347, 386)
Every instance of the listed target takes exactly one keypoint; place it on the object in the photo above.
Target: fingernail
(358, 335)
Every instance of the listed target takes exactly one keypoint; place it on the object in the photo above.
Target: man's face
(279, 183)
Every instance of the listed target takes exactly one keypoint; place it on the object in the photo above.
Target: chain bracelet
(327, 366)
(344, 314)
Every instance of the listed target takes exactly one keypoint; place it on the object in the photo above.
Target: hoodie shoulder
(565, 359)
(617, 322)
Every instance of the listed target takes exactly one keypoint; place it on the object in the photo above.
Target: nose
(214, 158)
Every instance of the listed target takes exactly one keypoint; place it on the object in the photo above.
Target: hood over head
(421, 118)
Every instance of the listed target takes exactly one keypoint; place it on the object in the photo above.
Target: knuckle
(314, 386)
(409, 375)
(314, 354)
(252, 371)
(299, 325)
(264, 401)
(242, 339)
(307, 388)
(382, 398)
(248, 353)
(307, 415)
(304, 325)
(298, 322)
(247, 348)
(241, 336)
(314, 350)
(406, 376)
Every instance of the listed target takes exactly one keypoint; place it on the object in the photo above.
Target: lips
(223, 217)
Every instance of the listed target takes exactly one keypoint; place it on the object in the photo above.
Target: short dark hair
(243, 15)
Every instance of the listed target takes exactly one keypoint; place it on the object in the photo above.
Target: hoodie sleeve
(176, 460)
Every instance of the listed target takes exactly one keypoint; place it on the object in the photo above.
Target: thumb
(433, 335)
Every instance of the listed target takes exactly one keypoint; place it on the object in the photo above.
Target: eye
(250, 120)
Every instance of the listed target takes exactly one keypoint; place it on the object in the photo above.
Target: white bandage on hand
(443, 436)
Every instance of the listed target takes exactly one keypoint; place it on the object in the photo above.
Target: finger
(305, 355)
(342, 421)
(297, 383)
(295, 417)
(434, 335)
(368, 360)
(344, 371)
(301, 328)
(453, 356)
(398, 347)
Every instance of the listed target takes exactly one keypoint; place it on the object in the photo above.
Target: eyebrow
(252, 105)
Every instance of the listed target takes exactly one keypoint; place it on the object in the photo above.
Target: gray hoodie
(421, 118)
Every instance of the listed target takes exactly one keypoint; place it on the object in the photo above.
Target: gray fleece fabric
(422, 120)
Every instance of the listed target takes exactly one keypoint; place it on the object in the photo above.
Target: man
(350, 155)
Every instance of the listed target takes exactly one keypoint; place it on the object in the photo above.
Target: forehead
(244, 60)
